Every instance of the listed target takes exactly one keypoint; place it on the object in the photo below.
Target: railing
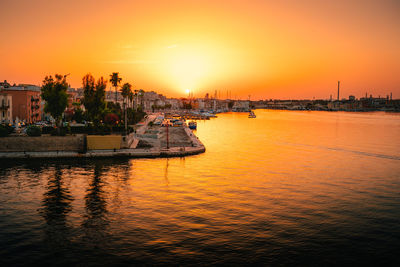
(4, 107)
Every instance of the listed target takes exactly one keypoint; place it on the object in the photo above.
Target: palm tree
(141, 95)
(126, 90)
(136, 101)
(130, 98)
(115, 80)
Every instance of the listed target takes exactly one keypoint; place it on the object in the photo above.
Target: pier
(183, 142)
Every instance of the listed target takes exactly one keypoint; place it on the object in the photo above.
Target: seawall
(73, 143)
(75, 147)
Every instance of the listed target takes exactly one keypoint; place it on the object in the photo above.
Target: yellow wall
(103, 142)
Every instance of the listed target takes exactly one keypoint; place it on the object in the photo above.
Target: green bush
(10, 129)
(33, 130)
(3, 131)
(47, 129)
(79, 129)
(59, 131)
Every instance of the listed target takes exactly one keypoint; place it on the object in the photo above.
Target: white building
(175, 103)
(241, 105)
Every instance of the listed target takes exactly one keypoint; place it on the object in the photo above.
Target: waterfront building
(241, 105)
(4, 84)
(5, 108)
(201, 104)
(27, 104)
(173, 102)
(72, 97)
(152, 99)
(110, 97)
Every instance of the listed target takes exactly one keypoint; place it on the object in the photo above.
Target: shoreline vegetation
(100, 128)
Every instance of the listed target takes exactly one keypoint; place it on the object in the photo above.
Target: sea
(287, 188)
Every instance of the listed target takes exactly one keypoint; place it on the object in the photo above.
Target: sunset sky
(266, 49)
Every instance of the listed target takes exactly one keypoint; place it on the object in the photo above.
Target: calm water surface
(286, 188)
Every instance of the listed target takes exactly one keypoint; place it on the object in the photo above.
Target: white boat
(252, 115)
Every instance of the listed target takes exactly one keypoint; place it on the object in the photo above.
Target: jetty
(149, 141)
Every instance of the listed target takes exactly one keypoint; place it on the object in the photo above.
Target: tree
(115, 80)
(130, 98)
(78, 115)
(111, 119)
(136, 100)
(111, 107)
(141, 95)
(94, 97)
(126, 91)
(54, 92)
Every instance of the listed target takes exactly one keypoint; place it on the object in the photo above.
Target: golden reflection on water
(280, 162)
(283, 178)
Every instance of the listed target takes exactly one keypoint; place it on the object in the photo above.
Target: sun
(187, 68)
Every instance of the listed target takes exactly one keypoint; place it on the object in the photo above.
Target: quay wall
(100, 142)
(98, 146)
(74, 143)
(129, 153)
(127, 140)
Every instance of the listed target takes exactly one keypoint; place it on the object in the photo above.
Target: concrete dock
(191, 146)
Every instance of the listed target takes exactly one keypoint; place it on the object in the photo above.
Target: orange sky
(268, 49)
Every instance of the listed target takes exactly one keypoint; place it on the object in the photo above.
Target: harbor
(200, 133)
(149, 141)
(265, 192)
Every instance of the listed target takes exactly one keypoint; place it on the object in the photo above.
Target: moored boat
(252, 115)
(192, 125)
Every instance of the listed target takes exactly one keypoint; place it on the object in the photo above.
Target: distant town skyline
(265, 49)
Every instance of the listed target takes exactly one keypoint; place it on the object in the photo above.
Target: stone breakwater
(177, 148)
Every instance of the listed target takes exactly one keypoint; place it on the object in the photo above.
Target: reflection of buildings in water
(56, 206)
(96, 221)
(35, 168)
(11, 169)
(121, 174)
(182, 161)
(125, 172)
(166, 172)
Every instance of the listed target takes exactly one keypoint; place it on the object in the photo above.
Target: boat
(252, 115)
(193, 125)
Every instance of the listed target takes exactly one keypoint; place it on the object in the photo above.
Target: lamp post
(126, 121)
(167, 136)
